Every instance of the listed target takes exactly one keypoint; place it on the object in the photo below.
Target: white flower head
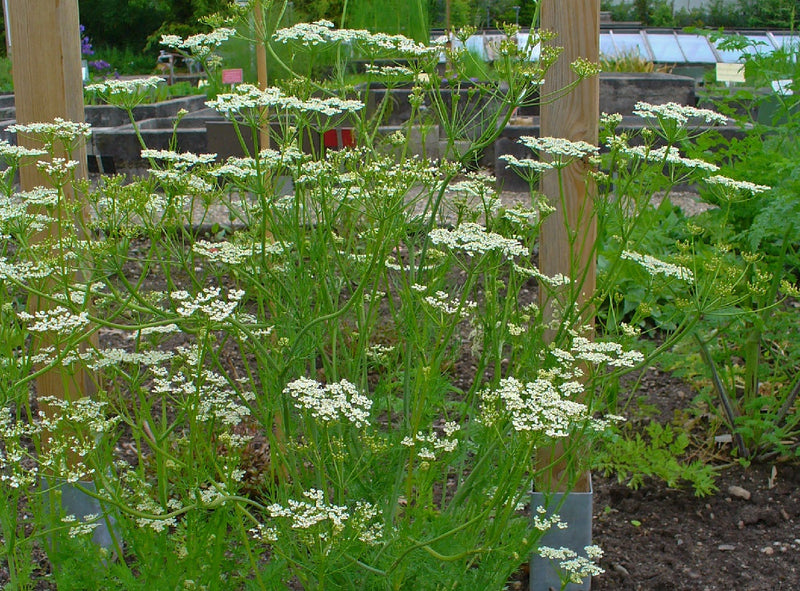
(58, 320)
(180, 161)
(680, 114)
(323, 32)
(199, 45)
(208, 302)
(562, 150)
(533, 407)
(223, 251)
(129, 86)
(11, 153)
(59, 129)
(534, 166)
(743, 186)
(574, 567)
(443, 303)
(473, 239)
(331, 402)
(658, 267)
(316, 520)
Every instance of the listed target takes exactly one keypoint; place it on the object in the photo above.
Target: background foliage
(719, 13)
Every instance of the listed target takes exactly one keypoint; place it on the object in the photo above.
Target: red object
(341, 137)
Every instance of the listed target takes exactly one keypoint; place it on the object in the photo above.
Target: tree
(138, 24)
(122, 23)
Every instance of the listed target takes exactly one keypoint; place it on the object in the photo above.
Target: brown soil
(745, 537)
(723, 542)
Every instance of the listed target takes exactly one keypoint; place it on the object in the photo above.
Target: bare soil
(745, 537)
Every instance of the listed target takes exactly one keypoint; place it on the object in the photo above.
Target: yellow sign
(730, 72)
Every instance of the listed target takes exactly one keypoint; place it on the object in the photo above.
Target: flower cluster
(58, 320)
(534, 407)
(114, 87)
(600, 352)
(246, 97)
(442, 302)
(553, 281)
(180, 161)
(574, 567)
(13, 154)
(323, 32)
(13, 451)
(528, 165)
(734, 185)
(236, 168)
(379, 353)
(562, 150)
(655, 266)
(22, 271)
(87, 524)
(60, 129)
(426, 446)
(182, 180)
(58, 169)
(331, 402)
(325, 521)
(218, 401)
(112, 357)
(215, 399)
(125, 94)
(473, 239)
(223, 251)
(680, 114)
(207, 302)
(200, 45)
(39, 196)
(89, 414)
(544, 522)
(667, 155)
(389, 71)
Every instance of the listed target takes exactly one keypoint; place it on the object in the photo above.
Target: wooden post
(48, 83)
(261, 66)
(573, 117)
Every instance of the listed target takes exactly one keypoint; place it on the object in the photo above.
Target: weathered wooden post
(566, 247)
(261, 66)
(573, 117)
(48, 83)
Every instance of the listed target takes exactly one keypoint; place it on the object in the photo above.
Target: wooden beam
(46, 55)
(573, 117)
(48, 83)
(261, 66)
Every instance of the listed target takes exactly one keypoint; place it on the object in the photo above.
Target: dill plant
(289, 393)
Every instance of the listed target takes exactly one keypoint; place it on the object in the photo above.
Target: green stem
(727, 405)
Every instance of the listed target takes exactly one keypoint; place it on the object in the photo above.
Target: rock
(621, 569)
(753, 515)
(726, 547)
(738, 491)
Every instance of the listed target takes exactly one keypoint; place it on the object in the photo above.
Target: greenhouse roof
(656, 45)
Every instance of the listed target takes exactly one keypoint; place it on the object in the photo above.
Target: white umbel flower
(656, 266)
(744, 186)
(681, 114)
(473, 239)
(331, 402)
